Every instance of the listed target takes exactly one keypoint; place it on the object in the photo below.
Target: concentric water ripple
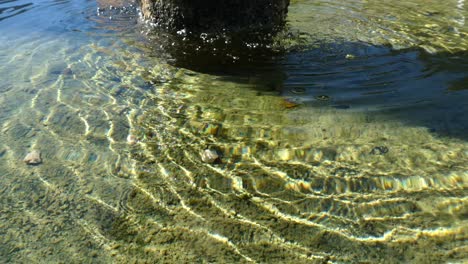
(336, 189)
(325, 158)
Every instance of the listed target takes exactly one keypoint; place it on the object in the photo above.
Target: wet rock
(33, 158)
(216, 15)
(379, 150)
(209, 156)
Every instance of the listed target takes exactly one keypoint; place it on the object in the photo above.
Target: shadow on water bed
(411, 85)
(304, 131)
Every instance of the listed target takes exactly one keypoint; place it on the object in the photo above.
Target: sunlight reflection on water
(349, 145)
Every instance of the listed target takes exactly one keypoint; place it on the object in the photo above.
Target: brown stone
(33, 158)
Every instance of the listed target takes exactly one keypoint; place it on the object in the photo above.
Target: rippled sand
(297, 182)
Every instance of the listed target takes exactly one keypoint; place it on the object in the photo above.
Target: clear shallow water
(303, 132)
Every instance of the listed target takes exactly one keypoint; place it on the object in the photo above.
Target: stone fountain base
(216, 15)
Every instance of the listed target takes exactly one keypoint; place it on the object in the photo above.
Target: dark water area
(341, 139)
(406, 84)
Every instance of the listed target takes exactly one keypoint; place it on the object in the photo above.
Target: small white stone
(350, 56)
(33, 158)
(209, 156)
(131, 139)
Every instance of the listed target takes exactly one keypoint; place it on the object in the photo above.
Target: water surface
(342, 140)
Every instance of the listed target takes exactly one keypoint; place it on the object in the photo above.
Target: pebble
(380, 150)
(67, 71)
(287, 103)
(131, 140)
(209, 156)
(322, 97)
(211, 129)
(33, 158)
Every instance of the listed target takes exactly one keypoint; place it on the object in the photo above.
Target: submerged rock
(288, 103)
(67, 71)
(131, 139)
(379, 150)
(209, 156)
(33, 158)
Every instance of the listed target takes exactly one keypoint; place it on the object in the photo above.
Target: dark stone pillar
(216, 15)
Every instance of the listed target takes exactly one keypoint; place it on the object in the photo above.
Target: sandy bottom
(294, 184)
